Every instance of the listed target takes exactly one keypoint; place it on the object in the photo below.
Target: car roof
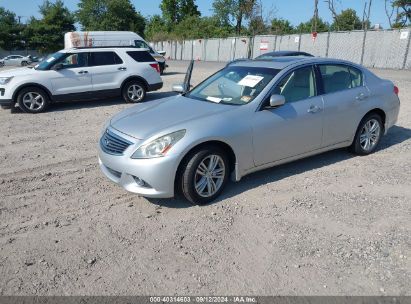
(281, 63)
(286, 53)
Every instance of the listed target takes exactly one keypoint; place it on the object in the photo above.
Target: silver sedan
(248, 116)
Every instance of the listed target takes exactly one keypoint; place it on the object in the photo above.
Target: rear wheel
(134, 91)
(24, 63)
(32, 100)
(368, 135)
(204, 175)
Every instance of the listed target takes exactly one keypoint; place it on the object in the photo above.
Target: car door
(294, 128)
(70, 77)
(343, 93)
(108, 71)
(8, 60)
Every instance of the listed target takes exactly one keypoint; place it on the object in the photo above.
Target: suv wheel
(134, 91)
(32, 100)
(205, 174)
(1, 64)
(24, 63)
(368, 135)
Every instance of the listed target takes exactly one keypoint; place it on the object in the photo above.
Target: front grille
(2, 92)
(111, 143)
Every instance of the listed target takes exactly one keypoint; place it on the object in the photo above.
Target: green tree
(156, 29)
(237, 10)
(47, 33)
(10, 31)
(309, 26)
(281, 27)
(403, 8)
(194, 27)
(175, 11)
(110, 15)
(347, 20)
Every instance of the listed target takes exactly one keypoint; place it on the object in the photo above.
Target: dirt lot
(333, 224)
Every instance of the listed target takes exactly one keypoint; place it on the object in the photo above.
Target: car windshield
(49, 61)
(233, 85)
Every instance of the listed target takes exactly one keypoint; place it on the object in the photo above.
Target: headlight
(4, 80)
(159, 146)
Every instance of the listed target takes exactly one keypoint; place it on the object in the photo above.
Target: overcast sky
(294, 10)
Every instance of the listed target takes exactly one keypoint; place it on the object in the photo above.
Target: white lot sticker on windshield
(250, 80)
(50, 59)
(213, 99)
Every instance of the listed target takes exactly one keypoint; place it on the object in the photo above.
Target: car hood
(147, 119)
(18, 72)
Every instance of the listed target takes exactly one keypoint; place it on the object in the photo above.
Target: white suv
(81, 74)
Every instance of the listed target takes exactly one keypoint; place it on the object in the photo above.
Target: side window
(335, 78)
(74, 61)
(298, 85)
(141, 56)
(143, 45)
(104, 58)
(356, 77)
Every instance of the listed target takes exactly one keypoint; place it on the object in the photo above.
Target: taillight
(396, 90)
(155, 66)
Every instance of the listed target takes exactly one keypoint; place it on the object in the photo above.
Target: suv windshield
(233, 85)
(50, 61)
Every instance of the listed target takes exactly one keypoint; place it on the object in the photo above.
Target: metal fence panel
(212, 49)
(242, 46)
(288, 43)
(226, 49)
(317, 47)
(346, 45)
(262, 45)
(385, 49)
(198, 49)
(187, 50)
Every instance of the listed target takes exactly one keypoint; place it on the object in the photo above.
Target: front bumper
(157, 173)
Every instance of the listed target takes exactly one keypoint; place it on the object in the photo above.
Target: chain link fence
(388, 49)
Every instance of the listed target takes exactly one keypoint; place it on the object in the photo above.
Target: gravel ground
(333, 224)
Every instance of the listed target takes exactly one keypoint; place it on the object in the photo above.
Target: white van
(110, 39)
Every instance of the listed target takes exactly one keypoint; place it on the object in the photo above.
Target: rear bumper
(155, 86)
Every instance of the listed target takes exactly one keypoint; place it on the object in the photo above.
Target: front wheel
(24, 63)
(32, 100)
(204, 175)
(134, 91)
(368, 135)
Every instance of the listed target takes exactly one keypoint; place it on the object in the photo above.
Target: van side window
(298, 85)
(104, 58)
(339, 78)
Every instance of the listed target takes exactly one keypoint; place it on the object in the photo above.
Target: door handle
(83, 72)
(361, 96)
(313, 109)
(122, 69)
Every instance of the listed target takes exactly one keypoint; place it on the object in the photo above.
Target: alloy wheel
(209, 176)
(370, 135)
(33, 101)
(135, 92)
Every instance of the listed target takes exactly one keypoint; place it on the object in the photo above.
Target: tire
(1, 64)
(136, 95)
(195, 185)
(24, 63)
(32, 100)
(366, 142)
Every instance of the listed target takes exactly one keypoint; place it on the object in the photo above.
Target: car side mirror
(276, 101)
(162, 53)
(58, 66)
(179, 88)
